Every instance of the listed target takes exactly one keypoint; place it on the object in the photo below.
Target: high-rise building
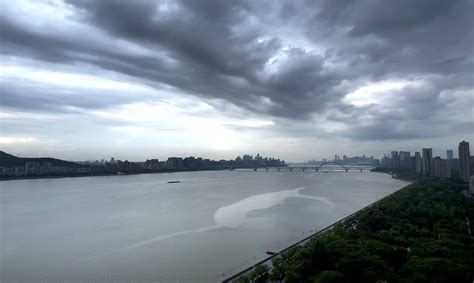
(395, 160)
(152, 164)
(471, 184)
(449, 154)
(412, 164)
(471, 165)
(427, 154)
(464, 161)
(385, 161)
(404, 159)
(448, 170)
(175, 163)
(418, 163)
(190, 162)
(441, 168)
(436, 169)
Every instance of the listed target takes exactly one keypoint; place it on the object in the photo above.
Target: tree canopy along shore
(421, 233)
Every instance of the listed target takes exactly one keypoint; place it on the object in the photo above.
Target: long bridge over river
(324, 167)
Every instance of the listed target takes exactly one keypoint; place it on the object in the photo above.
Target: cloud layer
(362, 71)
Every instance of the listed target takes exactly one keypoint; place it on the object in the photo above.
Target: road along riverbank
(267, 262)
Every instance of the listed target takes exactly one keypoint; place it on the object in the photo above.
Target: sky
(295, 80)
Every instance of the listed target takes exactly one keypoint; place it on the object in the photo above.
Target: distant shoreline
(405, 176)
(13, 178)
(102, 175)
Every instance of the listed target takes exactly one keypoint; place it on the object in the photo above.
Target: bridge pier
(317, 169)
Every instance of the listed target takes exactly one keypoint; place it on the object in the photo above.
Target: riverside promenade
(268, 262)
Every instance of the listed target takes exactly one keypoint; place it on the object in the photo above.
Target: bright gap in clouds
(69, 80)
(169, 122)
(167, 118)
(375, 93)
(15, 140)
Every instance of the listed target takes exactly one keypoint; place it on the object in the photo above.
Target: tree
(329, 277)
(418, 234)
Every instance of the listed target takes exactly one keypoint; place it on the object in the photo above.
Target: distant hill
(8, 160)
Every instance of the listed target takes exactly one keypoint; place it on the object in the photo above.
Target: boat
(173, 182)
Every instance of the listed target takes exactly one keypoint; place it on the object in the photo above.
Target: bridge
(316, 168)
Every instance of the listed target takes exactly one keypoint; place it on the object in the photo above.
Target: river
(142, 228)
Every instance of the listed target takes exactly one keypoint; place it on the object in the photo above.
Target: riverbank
(401, 175)
(103, 174)
(417, 233)
(241, 276)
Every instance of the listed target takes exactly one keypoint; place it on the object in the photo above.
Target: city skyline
(293, 80)
(401, 155)
(309, 158)
(421, 164)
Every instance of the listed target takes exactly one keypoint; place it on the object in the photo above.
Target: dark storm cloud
(216, 53)
(197, 33)
(243, 52)
(387, 40)
(396, 37)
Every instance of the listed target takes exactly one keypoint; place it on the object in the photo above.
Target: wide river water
(141, 228)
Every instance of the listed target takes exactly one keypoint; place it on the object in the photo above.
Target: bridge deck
(310, 168)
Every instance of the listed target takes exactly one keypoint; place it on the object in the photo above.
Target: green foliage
(243, 279)
(258, 275)
(329, 277)
(418, 234)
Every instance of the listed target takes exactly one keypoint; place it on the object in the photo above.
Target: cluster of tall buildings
(425, 164)
(185, 164)
(249, 161)
(422, 162)
(346, 160)
(21, 168)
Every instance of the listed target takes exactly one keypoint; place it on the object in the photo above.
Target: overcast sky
(289, 79)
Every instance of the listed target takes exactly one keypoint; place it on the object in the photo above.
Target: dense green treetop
(418, 234)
